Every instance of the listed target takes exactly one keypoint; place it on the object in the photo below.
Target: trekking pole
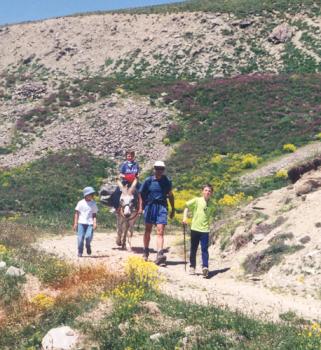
(184, 231)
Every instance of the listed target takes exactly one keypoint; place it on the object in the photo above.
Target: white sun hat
(159, 164)
(88, 190)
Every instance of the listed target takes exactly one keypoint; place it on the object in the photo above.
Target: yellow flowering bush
(289, 147)
(141, 277)
(181, 197)
(233, 200)
(249, 161)
(142, 273)
(3, 249)
(318, 136)
(216, 159)
(312, 336)
(119, 90)
(43, 301)
(281, 174)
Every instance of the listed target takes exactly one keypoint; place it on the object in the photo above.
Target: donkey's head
(127, 199)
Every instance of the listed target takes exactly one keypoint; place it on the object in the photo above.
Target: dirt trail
(284, 162)
(248, 297)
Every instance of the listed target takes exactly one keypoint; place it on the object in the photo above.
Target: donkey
(127, 214)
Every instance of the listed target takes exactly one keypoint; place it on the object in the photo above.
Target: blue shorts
(155, 214)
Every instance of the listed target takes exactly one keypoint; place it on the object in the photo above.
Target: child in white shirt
(85, 220)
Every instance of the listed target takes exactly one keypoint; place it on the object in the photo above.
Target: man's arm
(140, 203)
(172, 203)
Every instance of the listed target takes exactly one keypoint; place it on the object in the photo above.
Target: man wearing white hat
(154, 192)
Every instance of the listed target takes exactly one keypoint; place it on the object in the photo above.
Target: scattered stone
(245, 23)
(15, 271)
(156, 336)
(188, 330)
(258, 238)
(61, 338)
(281, 34)
(151, 307)
(317, 224)
(305, 239)
(3, 265)
(32, 90)
(28, 59)
(123, 327)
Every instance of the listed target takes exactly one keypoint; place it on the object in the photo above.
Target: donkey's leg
(119, 229)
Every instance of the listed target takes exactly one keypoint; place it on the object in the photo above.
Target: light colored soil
(220, 289)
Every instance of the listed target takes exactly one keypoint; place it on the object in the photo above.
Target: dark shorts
(155, 214)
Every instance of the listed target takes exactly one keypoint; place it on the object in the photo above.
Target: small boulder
(151, 307)
(61, 338)
(14, 271)
(156, 336)
(281, 34)
(2, 265)
(245, 23)
(258, 238)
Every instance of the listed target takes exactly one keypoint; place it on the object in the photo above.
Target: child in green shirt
(200, 228)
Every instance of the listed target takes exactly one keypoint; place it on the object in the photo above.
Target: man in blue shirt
(154, 193)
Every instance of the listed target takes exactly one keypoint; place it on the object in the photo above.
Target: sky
(15, 11)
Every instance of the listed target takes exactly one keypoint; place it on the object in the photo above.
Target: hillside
(225, 92)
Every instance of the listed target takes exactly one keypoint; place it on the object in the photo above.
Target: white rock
(189, 330)
(2, 265)
(15, 271)
(258, 238)
(61, 338)
(155, 336)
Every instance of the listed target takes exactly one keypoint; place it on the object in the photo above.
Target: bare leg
(148, 230)
(160, 237)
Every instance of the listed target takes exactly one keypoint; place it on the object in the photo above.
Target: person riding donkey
(154, 193)
(127, 190)
(201, 216)
(128, 173)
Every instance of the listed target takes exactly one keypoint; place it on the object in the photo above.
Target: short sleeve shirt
(129, 168)
(200, 214)
(156, 191)
(86, 210)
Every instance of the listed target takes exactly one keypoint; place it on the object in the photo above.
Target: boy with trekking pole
(85, 220)
(200, 228)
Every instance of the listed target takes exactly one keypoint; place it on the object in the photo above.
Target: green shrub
(51, 186)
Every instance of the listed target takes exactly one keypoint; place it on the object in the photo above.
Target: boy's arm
(76, 217)
(94, 221)
(185, 214)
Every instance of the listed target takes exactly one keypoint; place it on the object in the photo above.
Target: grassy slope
(238, 7)
(48, 189)
(246, 114)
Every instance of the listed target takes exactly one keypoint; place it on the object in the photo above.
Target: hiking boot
(118, 242)
(191, 271)
(88, 250)
(146, 254)
(205, 272)
(160, 260)
(79, 255)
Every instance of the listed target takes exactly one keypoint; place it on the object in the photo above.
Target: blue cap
(88, 190)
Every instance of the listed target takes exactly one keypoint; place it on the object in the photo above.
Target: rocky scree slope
(275, 241)
(191, 44)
